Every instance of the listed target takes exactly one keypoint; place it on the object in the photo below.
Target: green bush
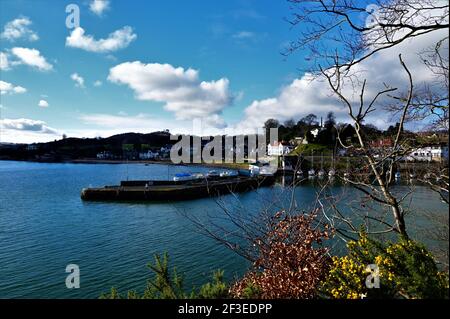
(170, 285)
(406, 270)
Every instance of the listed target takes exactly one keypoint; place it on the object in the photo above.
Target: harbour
(174, 190)
(112, 241)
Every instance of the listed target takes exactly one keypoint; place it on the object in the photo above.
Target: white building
(148, 155)
(429, 153)
(278, 149)
(104, 155)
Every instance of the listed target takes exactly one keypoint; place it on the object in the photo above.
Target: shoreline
(145, 162)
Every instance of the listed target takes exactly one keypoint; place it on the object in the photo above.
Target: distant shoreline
(166, 162)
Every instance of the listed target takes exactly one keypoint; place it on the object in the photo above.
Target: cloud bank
(180, 89)
(19, 29)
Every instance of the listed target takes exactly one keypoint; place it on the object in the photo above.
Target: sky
(143, 66)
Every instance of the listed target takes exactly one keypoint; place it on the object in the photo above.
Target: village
(309, 146)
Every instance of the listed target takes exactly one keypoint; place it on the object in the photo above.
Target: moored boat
(180, 177)
(229, 174)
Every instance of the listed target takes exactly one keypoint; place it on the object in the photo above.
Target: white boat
(229, 174)
(321, 173)
(185, 177)
(267, 171)
(397, 175)
(331, 173)
(299, 172)
(254, 169)
(213, 174)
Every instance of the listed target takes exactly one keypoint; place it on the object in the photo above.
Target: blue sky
(150, 65)
(239, 40)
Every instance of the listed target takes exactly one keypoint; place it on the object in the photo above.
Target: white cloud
(4, 62)
(31, 57)
(99, 6)
(24, 130)
(98, 83)
(119, 39)
(43, 103)
(8, 88)
(17, 29)
(181, 90)
(79, 81)
(304, 96)
(23, 124)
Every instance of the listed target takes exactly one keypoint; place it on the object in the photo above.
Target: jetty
(142, 190)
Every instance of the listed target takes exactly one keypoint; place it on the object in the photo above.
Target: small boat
(254, 169)
(397, 175)
(213, 174)
(229, 174)
(412, 175)
(321, 173)
(267, 171)
(299, 172)
(184, 177)
(187, 177)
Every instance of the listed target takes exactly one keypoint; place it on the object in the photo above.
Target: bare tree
(340, 34)
(357, 30)
(381, 166)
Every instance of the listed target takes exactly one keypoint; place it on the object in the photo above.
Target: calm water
(44, 226)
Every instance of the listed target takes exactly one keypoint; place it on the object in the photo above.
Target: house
(429, 153)
(164, 152)
(148, 155)
(104, 155)
(278, 148)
